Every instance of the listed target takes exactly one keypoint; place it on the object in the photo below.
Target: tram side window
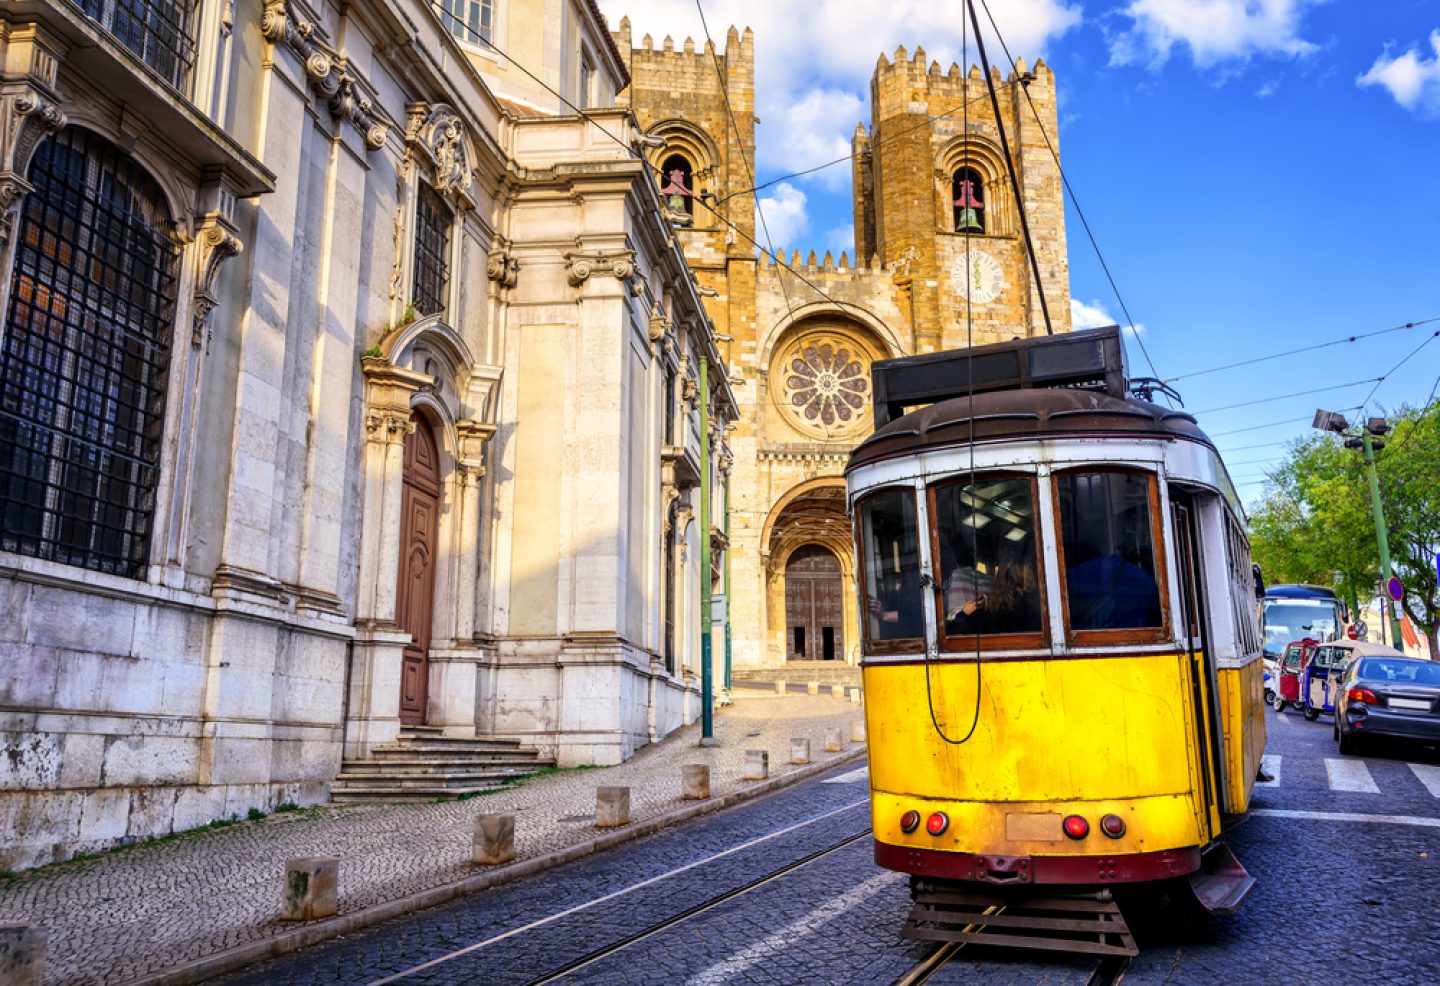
(986, 544)
(892, 566)
(1108, 539)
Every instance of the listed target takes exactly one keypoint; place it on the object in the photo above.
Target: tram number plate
(1413, 704)
(1033, 826)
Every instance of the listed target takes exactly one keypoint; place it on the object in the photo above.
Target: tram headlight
(1113, 826)
(937, 823)
(1076, 827)
(910, 821)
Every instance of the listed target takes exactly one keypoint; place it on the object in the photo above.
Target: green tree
(1316, 523)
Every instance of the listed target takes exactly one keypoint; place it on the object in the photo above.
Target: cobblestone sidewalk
(135, 912)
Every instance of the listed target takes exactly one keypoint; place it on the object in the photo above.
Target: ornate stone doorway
(814, 606)
(415, 586)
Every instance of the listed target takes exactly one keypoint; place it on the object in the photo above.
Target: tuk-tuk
(1290, 671)
(1322, 677)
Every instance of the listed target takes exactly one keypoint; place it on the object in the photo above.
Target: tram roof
(1017, 415)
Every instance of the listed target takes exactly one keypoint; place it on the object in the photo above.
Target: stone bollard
(855, 695)
(695, 778)
(311, 884)
(22, 954)
(757, 765)
(837, 691)
(857, 731)
(494, 840)
(799, 751)
(834, 741)
(780, 687)
(813, 688)
(612, 807)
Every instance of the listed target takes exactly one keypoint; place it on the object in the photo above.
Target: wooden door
(813, 606)
(415, 587)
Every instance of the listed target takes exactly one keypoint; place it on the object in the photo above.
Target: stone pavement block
(757, 765)
(22, 954)
(834, 741)
(311, 884)
(612, 807)
(799, 751)
(695, 781)
(494, 840)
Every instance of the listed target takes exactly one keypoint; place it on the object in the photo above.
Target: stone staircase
(797, 674)
(423, 765)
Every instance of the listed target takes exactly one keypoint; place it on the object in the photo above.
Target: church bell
(968, 222)
(967, 214)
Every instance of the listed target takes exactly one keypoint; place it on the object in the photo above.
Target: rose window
(826, 384)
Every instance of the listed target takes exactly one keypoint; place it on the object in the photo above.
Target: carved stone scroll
(579, 266)
(218, 242)
(29, 112)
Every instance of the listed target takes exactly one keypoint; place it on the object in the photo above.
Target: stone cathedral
(930, 190)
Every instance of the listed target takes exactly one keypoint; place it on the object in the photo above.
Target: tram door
(1192, 630)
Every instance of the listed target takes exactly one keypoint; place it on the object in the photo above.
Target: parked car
(1387, 694)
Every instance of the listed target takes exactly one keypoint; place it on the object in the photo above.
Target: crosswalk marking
(1350, 775)
(1429, 776)
(849, 777)
(1270, 764)
(1349, 816)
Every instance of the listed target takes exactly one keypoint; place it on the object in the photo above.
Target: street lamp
(1369, 441)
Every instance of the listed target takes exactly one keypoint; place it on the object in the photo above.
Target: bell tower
(935, 202)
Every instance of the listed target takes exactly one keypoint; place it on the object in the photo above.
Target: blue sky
(1259, 175)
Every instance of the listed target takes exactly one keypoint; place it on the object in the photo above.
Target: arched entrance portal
(415, 588)
(814, 606)
(810, 575)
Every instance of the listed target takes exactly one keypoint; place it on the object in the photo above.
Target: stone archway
(810, 566)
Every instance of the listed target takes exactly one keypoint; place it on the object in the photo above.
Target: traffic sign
(1396, 590)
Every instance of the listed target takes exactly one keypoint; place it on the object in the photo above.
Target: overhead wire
(1298, 393)
(1304, 349)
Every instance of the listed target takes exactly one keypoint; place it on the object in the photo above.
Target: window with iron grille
(85, 357)
(161, 33)
(432, 250)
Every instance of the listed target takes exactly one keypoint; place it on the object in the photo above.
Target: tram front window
(890, 544)
(1109, 543)
(987, 567)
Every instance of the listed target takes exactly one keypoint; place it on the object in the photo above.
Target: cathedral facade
(940, 262)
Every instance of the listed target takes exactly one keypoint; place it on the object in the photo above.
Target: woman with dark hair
(1012, 605)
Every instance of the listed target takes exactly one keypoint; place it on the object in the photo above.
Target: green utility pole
(1395, 638)
(707, 696)
(726, 584)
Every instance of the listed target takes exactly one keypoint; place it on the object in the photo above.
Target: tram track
(1108, 971)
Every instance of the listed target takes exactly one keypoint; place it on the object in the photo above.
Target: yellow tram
(1062, 668)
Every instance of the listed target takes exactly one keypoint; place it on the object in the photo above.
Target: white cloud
(1412, 80)
(814, 130)
(784, 214)
(1094, 315)
(1213, 30)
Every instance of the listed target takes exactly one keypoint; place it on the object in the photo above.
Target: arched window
(677, 186)
(968, 195)
(85, 357)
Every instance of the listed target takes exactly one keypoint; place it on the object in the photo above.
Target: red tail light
(937, 823)
(1076, 827)
(1113, 826)
(1363, 695)
(910, 821)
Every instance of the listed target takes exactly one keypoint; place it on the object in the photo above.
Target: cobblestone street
(1364, 890)
(130, 914)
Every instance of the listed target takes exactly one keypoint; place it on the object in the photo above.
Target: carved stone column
(454, 670)
(374, 700)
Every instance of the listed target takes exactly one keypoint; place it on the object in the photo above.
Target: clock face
(986, 280)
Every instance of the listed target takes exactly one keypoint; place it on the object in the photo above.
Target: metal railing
(161, 33)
